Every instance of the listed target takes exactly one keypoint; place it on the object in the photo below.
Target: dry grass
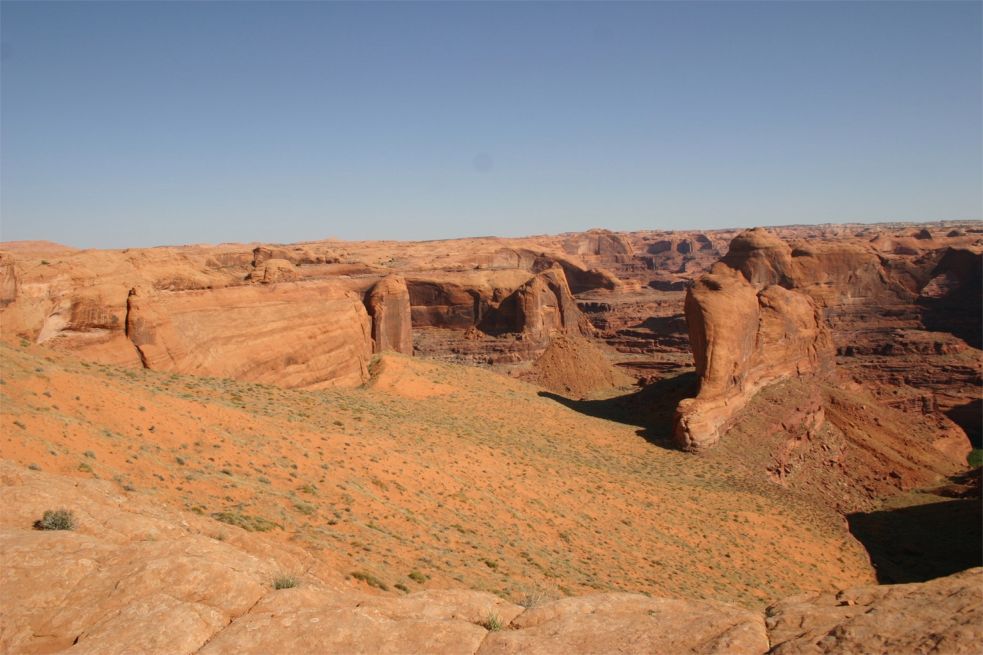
(432, 469)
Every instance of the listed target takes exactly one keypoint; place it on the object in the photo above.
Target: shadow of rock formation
(969, 417)
(921, 542)
(652, 408)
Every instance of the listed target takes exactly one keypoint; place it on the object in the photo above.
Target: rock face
(944, 615)
(744, 339)
(240, 332)
(388, 304)
(271, 271)
(541, 307)
(8, 279)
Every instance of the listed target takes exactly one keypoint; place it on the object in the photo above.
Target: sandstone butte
(836, 368)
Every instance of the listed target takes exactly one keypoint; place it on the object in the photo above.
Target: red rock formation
(388, 304)
(292, 334)
(541, 307)
(271, 271)
(744, 339)
(8, 279)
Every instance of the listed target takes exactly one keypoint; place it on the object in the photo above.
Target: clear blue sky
(140, 123)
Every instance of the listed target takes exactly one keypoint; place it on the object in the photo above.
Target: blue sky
(143, 123)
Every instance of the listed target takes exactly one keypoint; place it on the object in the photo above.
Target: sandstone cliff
(744, 339)
(388, 304)
(291, 334)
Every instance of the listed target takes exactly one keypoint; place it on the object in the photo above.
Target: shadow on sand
(652, 408)
(921, 542)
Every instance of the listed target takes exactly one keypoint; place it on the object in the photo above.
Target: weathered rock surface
(942, 616)
(744, 339)
(388, 304)
(541, 307)
(8, 279)
(309, 334)
(631, 623)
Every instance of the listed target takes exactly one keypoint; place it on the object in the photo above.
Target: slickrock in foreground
(135, 577)
(631, 623)
(943, 616)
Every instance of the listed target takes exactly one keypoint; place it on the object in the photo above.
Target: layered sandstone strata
(743, 339)
(311, 334)
(388, 304)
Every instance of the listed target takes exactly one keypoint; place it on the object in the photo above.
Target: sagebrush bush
(284, 582)
(57, 519)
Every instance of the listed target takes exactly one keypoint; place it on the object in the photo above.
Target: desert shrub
(418, 577)
(58, 519)
(304, 508)
(975, 457)
(284, 582)
(246, 522)
(492, 623)
(370, 580)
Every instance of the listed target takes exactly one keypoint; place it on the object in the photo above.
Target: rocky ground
(256, 463)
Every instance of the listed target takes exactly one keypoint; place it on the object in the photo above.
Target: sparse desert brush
(246, 522)
(284, 582)
(492, 623)
(370, 580)
(57, 519)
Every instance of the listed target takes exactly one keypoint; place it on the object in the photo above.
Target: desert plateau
(737, 441)
(477, 327)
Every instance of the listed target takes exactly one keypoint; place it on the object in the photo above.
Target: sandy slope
(461, 476)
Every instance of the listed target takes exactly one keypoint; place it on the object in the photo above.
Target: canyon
(662, 441)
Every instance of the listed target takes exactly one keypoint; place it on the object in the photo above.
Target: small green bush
(418, 577)
(284, 582)
(975, 457)
(493, 623)
(58, 519)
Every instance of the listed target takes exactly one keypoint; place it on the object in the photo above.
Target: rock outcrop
(312, 334)
(631, 623)
(743, 339)
(944, 615)
(388, 304)
(8, 279)
(541, 307)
